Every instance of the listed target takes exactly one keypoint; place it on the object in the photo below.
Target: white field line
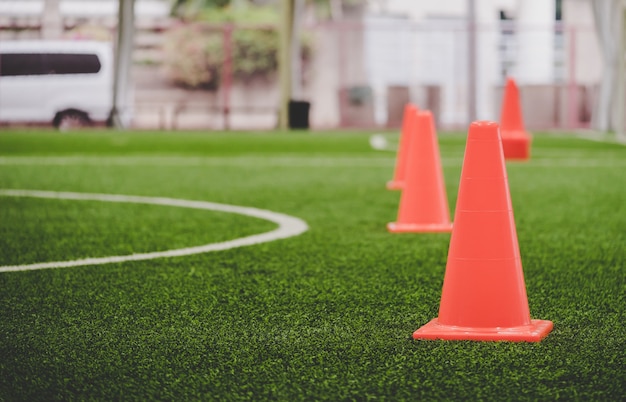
(288, 226)
(552, 159)
(246, 161)
(379, 142)
(571, 163)
(597, 136)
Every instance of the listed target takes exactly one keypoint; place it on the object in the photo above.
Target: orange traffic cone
(423, 203)
(484, 295)
(515, 140)
(408, 126)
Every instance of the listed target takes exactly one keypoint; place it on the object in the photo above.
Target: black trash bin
(299, 114)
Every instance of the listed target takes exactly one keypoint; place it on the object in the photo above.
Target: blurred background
(213, 64)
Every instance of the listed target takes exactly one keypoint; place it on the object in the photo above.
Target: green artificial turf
(327, 315)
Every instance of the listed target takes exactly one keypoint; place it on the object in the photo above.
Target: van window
(13, 64)
(69, 63)
(21, 64)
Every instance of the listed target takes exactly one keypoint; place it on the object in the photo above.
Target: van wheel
(71, 120)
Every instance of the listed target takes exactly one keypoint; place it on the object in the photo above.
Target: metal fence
(359, 74)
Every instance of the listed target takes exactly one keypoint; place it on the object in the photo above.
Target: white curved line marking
(288, 226)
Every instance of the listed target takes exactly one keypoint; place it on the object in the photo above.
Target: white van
(66, 83)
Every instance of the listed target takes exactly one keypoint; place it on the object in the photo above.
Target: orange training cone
(515, 140)
(423, 203)
(484, 295)
(401, 161)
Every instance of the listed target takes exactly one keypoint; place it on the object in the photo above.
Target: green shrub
(193, 56)
(194, 53)
(255, 52)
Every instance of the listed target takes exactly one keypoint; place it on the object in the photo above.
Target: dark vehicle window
(13, 64)
(57, 63)
(21, 64)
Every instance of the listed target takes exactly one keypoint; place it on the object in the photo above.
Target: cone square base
(395, 227)
(534, 332)
(395, 185)
(516, 146)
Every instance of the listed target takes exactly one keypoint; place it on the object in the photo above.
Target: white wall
(535, 56)
(579, 27)
(388, 58)
(88, 8)
(417, 10)
(487, 57)
(441, 53)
